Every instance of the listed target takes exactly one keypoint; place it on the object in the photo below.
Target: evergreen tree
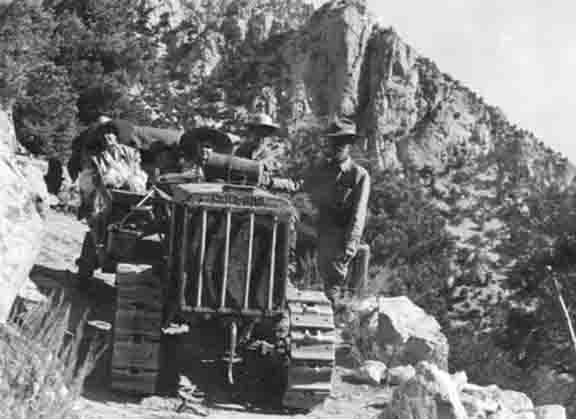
(36, 89)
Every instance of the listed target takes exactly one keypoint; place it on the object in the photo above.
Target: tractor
(218, 258)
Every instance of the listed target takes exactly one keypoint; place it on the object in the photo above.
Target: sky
(519, 55)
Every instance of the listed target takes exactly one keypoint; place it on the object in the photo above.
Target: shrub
(40, 372)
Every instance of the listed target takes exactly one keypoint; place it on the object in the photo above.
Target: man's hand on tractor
(349, 251)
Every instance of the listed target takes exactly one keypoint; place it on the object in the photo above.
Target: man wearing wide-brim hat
(258, 127)
(339, 188)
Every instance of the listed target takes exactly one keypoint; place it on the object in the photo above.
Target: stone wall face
(22, 201)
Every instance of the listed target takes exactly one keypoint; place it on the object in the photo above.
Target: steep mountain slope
(281, 57)
(304, 68)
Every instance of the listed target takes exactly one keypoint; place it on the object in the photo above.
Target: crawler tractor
(218, 258)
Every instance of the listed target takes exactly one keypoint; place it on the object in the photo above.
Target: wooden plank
(134, 274)
(133, 380)
(318, 336)
(312, 321)
(307, 296)
(127, 354)
(150, 303)
(139, 321)
(143, 291)
(301, 354)
(300, 307)
(137, 338)
(303, 400)
(325, 387)
(309, 375)
(145, 288)
(312, 349)
(129, 333)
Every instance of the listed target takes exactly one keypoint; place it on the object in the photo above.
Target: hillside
(419, 124)
(456, 209)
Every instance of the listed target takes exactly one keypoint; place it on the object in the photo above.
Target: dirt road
(55, 270)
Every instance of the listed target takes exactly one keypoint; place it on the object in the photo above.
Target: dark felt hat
(340, 129)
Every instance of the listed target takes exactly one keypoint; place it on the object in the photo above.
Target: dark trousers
(330, 261)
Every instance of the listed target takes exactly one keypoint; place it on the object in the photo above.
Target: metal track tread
(135, 356)
(312, 349)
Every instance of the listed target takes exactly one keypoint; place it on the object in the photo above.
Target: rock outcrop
(170, 13)
(412, 114)
(22, 200)
(341, 61)
(380, 329)
(329, 57)
(430, 394)
(417, 121)
(398, 332)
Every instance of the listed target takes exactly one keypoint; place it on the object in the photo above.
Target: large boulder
(398, 332)
(22, 204)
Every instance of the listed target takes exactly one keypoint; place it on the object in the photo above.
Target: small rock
(460, 379)
(430, 394)
(400, 375)
(371, 372)
(551, 411)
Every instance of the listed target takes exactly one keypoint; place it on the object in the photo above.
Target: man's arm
(358, 220)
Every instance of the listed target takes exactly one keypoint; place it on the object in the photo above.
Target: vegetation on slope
(41, 374)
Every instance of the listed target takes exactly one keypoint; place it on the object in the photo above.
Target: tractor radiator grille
(229, 259)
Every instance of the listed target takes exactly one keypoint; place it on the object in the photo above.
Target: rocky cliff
(304, 67)
(22, 197)
(219, 59)
(300, 64)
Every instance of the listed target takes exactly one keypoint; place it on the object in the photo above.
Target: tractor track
(315, 345)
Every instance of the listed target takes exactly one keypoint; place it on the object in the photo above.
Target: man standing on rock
(339, 188)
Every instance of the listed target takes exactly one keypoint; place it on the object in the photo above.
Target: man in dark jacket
(339, 188)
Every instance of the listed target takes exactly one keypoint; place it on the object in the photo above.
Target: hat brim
(267, 126)
(352, 137)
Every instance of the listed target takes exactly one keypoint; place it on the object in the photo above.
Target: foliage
(543, 240)
(72, 60)
(411, 249)
(106, 52)
(41, 374)
(25, 44)
(45, 112)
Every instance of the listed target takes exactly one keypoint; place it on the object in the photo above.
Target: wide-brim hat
(341, 129)
(262, 120)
